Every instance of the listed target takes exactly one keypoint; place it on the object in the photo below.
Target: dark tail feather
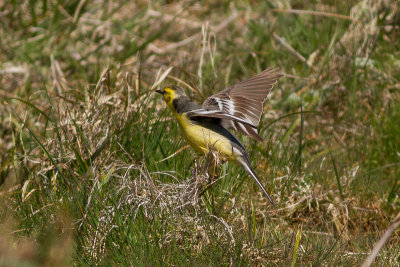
(247, 167)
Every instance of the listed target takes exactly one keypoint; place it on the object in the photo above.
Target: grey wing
(244, 100)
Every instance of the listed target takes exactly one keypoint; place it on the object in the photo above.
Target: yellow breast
(203, 139)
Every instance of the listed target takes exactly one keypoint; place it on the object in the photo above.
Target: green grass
(83, 136)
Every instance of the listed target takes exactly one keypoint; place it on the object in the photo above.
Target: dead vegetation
(81, 132)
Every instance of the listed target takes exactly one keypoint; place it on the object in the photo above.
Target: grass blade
(296, 247)
(337, 178)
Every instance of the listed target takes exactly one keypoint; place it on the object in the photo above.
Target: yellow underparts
(202, 139)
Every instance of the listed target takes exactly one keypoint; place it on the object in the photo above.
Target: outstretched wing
(206, 113)
(243, 102)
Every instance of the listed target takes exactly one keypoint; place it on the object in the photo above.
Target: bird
(239, 107)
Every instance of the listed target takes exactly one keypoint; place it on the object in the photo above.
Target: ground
(92, 168)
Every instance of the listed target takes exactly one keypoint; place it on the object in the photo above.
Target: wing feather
(244, 101)
(217, 114)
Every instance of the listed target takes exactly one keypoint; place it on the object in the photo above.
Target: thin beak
(160, 92)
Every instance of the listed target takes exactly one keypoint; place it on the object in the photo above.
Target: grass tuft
(91, 171)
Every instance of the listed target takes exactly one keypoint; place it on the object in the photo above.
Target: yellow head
(170, 93)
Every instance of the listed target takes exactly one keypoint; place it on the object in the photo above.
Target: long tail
(245, 163)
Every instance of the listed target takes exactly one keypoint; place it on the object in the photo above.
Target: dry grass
(83, 137)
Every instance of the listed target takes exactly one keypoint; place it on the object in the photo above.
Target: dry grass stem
(314, 13)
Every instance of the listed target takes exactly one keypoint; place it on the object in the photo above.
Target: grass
(84, 178)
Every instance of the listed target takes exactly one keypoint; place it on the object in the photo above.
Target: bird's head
(170, 93)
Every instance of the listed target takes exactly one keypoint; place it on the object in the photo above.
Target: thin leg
(212, 174)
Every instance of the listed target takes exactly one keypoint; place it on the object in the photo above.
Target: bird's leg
(196, 166)
(214, 168)
(199, 177)
(210, 165)
(212, 162)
